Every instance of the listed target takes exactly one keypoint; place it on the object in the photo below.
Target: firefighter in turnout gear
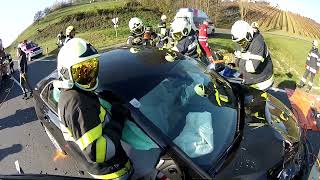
(137, 32)
(70, 33)
(184, 39)
(253, 57)
(91, 126)
(163, 32)
(255, 27)
(203, 38)
(312, 65)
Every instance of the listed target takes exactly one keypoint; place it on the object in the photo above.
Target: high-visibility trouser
(102, 153)
(205, 46)
(263, 85)
(305, 76)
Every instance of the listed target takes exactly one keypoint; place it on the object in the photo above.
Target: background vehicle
(196, 18)
(4, 64)
(31, 49)
(188, 135)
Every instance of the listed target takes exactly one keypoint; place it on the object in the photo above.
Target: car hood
(269, 129)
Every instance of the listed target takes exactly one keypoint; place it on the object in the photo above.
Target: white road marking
(16, 81)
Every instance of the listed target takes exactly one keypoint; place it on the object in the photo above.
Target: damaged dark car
(187, 121)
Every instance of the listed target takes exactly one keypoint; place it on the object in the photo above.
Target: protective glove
(237, 54)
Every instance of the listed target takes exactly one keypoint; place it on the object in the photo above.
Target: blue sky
(16, 15)
(308, 8)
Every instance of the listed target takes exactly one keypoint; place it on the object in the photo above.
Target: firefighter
(163, 32)
(203, 38)
(312, 65)
(60, 39)
(90, 125)
(23, 71)
(137, 32)
(253, 58)
(185, 41)
(255, 27)
(70, 33)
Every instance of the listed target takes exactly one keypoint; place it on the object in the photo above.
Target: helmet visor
(177, 35)
(243, 43)
(85, 73)
(139, 29)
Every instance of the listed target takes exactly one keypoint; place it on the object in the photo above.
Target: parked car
(191, 134)
(31, 49)
(4, 65)
(196, 18)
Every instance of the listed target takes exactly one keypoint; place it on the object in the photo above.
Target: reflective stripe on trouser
(311, 69)
(122, 174)
(219, 97)
(263, 85)
(205, 48)
(305, 76)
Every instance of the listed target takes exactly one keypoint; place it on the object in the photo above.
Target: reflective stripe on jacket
(313, 60)
(255, 62)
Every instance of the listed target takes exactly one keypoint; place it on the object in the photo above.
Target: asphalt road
(22, 137)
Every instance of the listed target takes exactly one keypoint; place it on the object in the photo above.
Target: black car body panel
(265, 135)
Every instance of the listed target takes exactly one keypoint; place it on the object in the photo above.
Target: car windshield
(199, 20)
(30, 45)
(195, 110)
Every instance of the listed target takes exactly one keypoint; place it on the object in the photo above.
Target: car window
(198, 20)
(199, 125)
(48, 95)
(30, 45)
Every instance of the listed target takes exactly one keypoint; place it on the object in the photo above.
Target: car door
(49, 109)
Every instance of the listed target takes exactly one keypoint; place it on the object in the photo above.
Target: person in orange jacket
(203, 38)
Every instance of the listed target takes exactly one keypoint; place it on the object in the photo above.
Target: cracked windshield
(173, 89)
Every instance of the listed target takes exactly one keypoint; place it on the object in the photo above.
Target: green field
(92, 22)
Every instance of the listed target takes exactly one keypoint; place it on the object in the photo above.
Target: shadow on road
(19, 118)
(15, 148)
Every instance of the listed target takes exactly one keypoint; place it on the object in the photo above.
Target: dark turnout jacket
(255, 63)
(313, 60)
(23, 63)
(80, 112)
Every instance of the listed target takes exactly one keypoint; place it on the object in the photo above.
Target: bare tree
(243, 6)
(38, 16)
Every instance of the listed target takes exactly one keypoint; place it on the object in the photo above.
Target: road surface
(21, 136)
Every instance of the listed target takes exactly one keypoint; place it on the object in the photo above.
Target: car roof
(131, 72)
